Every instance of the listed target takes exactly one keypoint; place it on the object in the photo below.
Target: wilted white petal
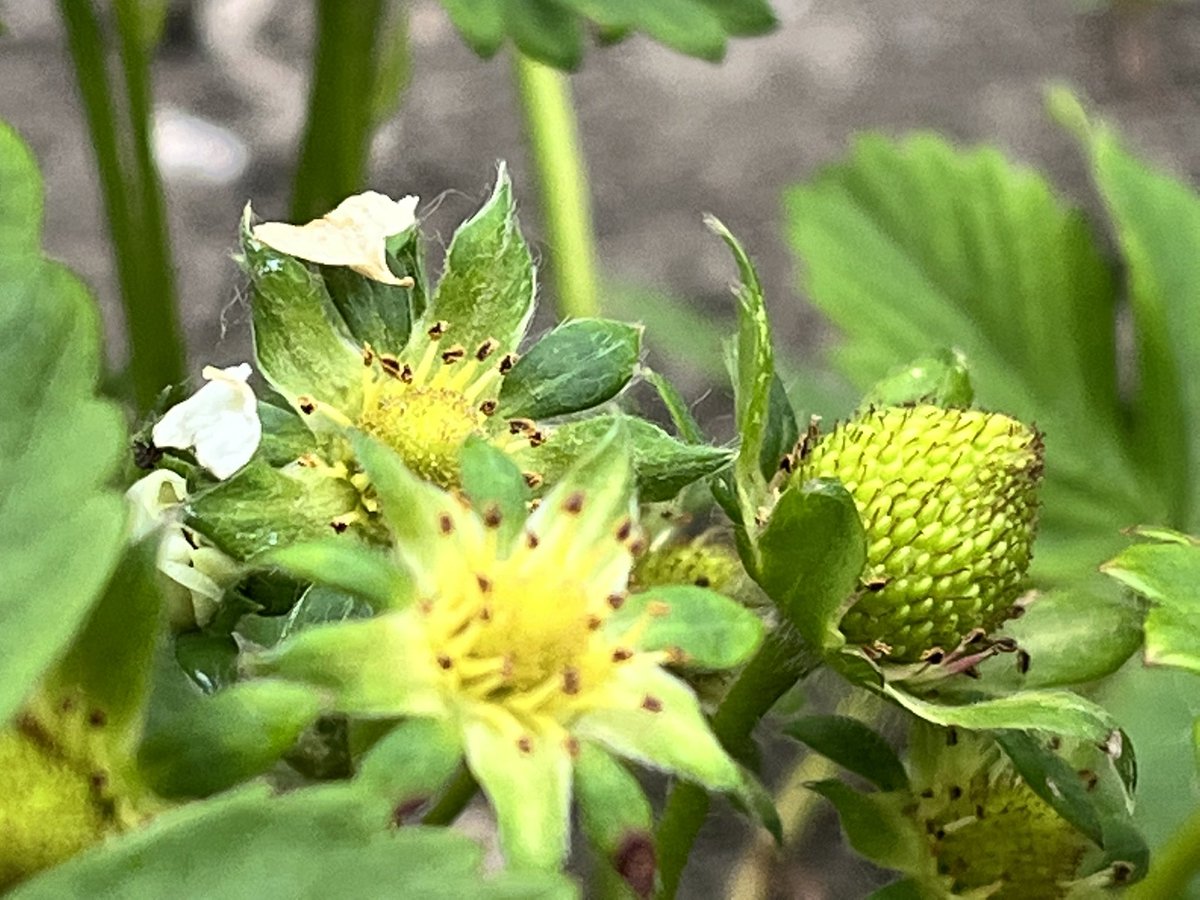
(220, 421)
(152, 500)
(354, 234)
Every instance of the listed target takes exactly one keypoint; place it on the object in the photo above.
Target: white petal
(220, 421)
(354, 234)
(153, 499)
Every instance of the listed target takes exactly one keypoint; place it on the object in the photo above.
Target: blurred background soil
(666, 138)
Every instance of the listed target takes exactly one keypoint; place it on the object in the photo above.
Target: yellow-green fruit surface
(948, 498)
(706, 565)
(48, 810)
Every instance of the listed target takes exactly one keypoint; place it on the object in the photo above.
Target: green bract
(524, 641)
(949, 504)
(348, 333)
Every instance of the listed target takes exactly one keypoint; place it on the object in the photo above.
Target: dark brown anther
(507, 362)
(786, 465)
(406, 374)
(1055, 743)
(572, 746)
(520, 426)
(1005, 645)
(625, 530)
(98, 781)
(1122, 872)
(927, 793)
(445, 523)
(574, 503)
(1023, 661)
(616, 601)
(444, 661)
(875, 585)
(974, 636)
(306, 406)
(1090, 779)
(146, 455)
(651, 704)
(368, 355)
(453, 355)
(933, 655)
(593, 622)
(338, 527)
(702, 581)
(525, 744)
(636, 863)
(97, 718)
(438, 329)
(531, 540)
(488, 407)
(621, 654)
(486, 349)
(537, 439)
(979, 810)
(485, 615)
(492, 517)
(955, 792)
(638, 546)
(485, 583)
(571, 682)
(391, 365)
(533, 480)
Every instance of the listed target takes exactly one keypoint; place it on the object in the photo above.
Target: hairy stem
(765, 679)
(132, 194)
(337, 134)
(1174, 866)
(553, 132)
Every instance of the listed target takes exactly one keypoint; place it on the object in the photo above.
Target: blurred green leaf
(350, 567)
(614, 813)
(410, 763)
(874, 824)
(495, 486)
(913, 244)
(943, 379)
(61, 526)
(315, 842)
(218, 741)
(853, 746)
(578, 365)
(813, 552)
(1157, 225)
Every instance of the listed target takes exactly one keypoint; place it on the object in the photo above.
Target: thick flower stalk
(521, 636)
(948, 499)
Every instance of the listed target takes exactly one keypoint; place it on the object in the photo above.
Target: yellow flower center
(425, 425)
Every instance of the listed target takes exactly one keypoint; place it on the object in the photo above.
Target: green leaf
(942, 379)
(411, 763)
(375, 313)
(1054, 712)
(1072, 636)
(704, 628)
(302, 345)
(1157, 224)
(529, 788)
(908, 889)
(61, 526)
(480, 22)
(743, 17)
(487, 288)
(853, 746)
(495, 486)
(684, 25)
(217, 741)
(578, 365)
(874, 825)
(813, 551)
(615, 816)
(681, 416)
(315, 842)
(261, 508)
(914, 244)
(663, 465)
(1168, 574)
(545, 31)
(752, 364)
(350, 567)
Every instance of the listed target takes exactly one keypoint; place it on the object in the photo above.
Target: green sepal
(494, 485)
(206, 744)
(1053, 712)
(578, 365)
(681, 416)
(374, 312)
(616, 817)
(314, 842)
(1168, 574)
(410, 763)
(301, 342)
(487, 287)
(406, 259)
(261, 508)
(875, 825)
(348, 566)
(702, 628)
(662, 464)
(942, 379)
(529, 787)
(285, 437)
(813, 550)
(781, 433)
(378, 667)
(854, 746)
(317, 605)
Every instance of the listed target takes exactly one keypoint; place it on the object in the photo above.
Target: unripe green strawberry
(994, 831)
(695, 562)
(948, 498)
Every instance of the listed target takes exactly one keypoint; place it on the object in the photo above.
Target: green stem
(454, 800)
(1174, 866)
(139, 242)
(765, 679)
(550, 123)
(337, 134)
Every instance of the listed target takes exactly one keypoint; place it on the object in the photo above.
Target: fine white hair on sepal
(219, 422)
